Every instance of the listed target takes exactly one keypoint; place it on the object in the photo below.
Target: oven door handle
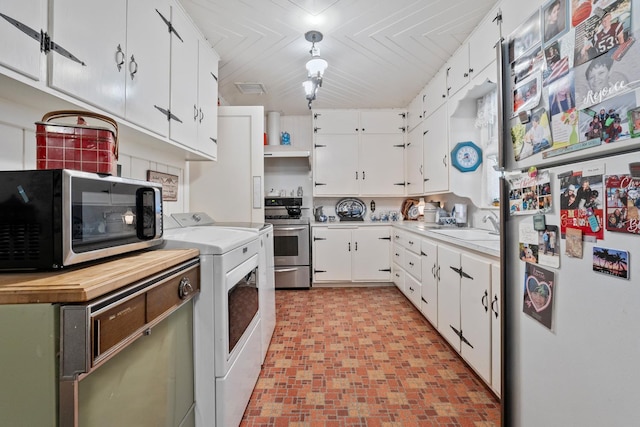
(285, 270)
(290, 228)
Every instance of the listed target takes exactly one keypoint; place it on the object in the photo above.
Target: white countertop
(490, 247)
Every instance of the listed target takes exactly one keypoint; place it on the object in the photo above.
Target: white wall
(18, 138)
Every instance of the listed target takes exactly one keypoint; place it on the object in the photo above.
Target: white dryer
(227, 321)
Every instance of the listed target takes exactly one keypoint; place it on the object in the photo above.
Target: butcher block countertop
(82, 284)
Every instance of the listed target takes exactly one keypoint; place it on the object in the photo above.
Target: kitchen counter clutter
(85, 283)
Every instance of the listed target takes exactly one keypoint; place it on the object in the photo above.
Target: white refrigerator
(570, 270)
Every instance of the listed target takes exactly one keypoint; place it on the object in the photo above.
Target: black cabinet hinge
(319, 238)
(400, 145)
(168, 114)
(384, 238)
(170, 26)
(319, 146)
(319, 183)
(316, 129)
(424, 300)
(385, 269)
(319, 271)
(400, 183)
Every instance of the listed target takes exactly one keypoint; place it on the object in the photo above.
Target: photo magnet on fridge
(611, 261)
(539, 288)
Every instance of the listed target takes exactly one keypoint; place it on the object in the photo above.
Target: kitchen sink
(467, 233)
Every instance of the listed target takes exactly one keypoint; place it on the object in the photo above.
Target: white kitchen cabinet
(414, 113)
(352, 254)
(463, 306)
(359, 153)
(398, 276)
(413, 162)
(449, 295)
(430, 278)
(370, 257)
(194, 87)
(100, 77)
(335, 165)
(207, 99)
(381, 164)
(435, 93)
(475, 316)
(482, 44)
(18, 50)
(334, 122)
(122, 63)
(458, 74)
(496, 330)
(435, 148)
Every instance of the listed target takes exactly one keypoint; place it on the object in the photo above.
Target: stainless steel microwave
(54, 218)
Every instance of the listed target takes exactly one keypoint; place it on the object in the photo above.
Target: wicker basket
(77, 146)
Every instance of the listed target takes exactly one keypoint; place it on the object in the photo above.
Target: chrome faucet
(495, 222)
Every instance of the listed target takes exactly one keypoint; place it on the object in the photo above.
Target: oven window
(285, 246)
(243, 306)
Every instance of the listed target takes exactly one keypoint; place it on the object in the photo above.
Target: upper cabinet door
(147, 64)
(381, 165)
(19, 49)
(336, 121)
(335, 165)
(184, 79)
(435, 93)
(207, 99)
(458, 70)
(436, 152)
(482, 45)
(382, 121)
(93, 32)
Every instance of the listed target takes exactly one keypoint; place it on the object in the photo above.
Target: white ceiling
(381, 53)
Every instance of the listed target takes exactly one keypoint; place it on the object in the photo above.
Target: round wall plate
(466, 156)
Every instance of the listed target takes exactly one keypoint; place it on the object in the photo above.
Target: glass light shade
(316, 65)
(308, 87)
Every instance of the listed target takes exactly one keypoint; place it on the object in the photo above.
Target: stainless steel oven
(291, 242)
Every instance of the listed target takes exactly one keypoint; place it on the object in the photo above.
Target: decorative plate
(413, 212)
(350, 208)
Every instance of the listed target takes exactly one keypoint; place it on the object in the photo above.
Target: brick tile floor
(363, 357)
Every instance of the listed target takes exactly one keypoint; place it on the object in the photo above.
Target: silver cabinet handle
(133, 67)
(290, 228)
(284, 270)
(119, 57)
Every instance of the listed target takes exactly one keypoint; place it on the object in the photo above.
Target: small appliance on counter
(459, 213)
(55, 218)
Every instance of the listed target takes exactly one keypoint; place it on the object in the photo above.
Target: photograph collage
(575, 71)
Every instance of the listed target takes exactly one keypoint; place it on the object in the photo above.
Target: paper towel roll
(273, 128)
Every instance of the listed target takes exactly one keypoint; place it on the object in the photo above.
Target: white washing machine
(227, 321)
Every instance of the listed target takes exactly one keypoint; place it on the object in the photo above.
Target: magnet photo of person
(555, 19)
(525, 37)
(561, 95)
(606, 29)
(603, 77)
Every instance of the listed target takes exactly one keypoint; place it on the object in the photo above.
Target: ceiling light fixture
(315, 67)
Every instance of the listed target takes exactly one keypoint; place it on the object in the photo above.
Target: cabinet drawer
(413, 264)
(171, 294)
(412, 242)
(398, 277)
(398, 255)
(413, 290)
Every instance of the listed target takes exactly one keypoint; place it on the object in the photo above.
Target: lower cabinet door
(412, 289)
(331, 254)
(371, 248)
(429, 298)
(475, 312)
(449, 296)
